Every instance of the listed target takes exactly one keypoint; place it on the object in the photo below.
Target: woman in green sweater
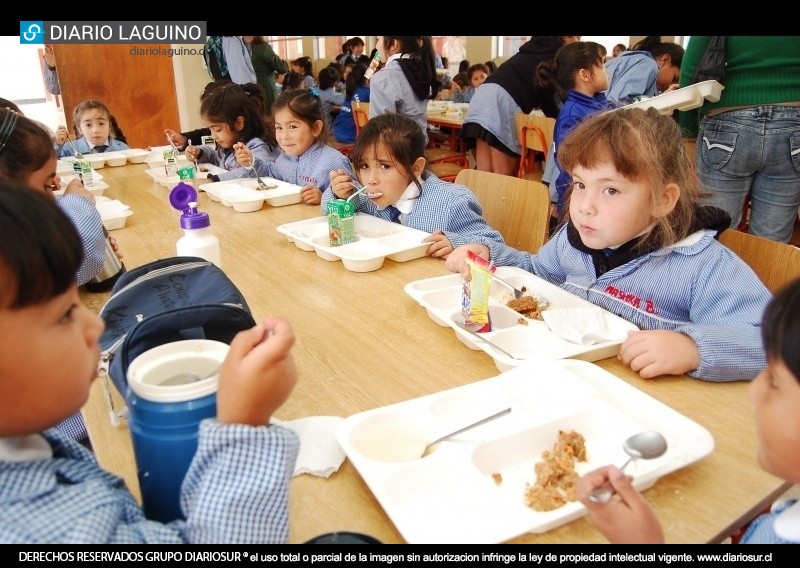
(266, 64)
(748, 142)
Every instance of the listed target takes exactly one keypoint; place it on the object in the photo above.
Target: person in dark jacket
(489, 127)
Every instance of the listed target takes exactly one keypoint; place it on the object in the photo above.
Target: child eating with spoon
(775, 394)
(389, 159)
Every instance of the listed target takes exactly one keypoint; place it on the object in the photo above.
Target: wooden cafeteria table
(363, 343)
(436, 117)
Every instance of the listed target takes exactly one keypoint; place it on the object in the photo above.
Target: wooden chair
(774, 262)
(518, 208)
(360, 114)
(535, 138)
(447, 171)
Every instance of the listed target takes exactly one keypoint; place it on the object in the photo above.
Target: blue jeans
(753, 150)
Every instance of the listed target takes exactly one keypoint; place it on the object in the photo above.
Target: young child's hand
(115, 246)
(243, 155)
(458, 258)
(61, 135)
(75, 187)
(341, 184)
(659, 352)
(258, 374)
(192, 153)
(311, 195)
(628, 517)
(176, 138)
(440, 247)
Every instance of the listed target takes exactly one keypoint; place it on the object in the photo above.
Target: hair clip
(313, 92)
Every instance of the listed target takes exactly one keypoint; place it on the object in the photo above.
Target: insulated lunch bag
(168, 300)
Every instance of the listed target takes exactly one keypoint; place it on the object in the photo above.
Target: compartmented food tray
(686, 98)
(242, 194)
(523, 338)
(376, 240)
(159, 174)
(471, 488)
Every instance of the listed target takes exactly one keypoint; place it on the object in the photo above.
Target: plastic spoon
(646, 445)
(429, 448)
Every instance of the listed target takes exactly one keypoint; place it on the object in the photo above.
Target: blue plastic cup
(167, 399)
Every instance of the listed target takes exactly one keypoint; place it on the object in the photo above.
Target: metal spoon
(646, 445)
(429, 448)
(187, 377)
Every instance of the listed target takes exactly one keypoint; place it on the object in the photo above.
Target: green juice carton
(188, 174)
(341, 222)
(82, 168)
(171, 162)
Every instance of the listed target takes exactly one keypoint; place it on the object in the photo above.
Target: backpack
(172, 299)
(215, 58)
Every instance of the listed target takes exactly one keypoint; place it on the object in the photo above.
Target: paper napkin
(320, 453)
(584, 326)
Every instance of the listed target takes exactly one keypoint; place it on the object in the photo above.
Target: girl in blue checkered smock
(638, 243)
(775, 393)
(306, 158)
(52, 490)
(235, 114)
(389, 160)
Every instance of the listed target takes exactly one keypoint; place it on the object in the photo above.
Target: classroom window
(287, 47)
(506, 46)
(329, 46)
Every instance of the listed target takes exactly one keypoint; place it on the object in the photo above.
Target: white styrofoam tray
(69, 176)
(242, 195)
(687, 98)
(64, 167)
(159, 174)
(156, 157)
(377, 239)
(97, 188)
(441, 297)
(450, 496)
(113, 212)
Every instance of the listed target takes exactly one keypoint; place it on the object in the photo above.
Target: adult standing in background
(650, 68)
(748, 142)
(238, 60)
(267, 65)
(490, 127)
(49, 70)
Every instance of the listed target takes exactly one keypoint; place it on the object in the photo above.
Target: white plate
(238, 193)
(686, 98)
(377, 239)
(450, 496)
(441, 297)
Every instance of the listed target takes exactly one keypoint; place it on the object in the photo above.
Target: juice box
(341, 222)
(82, 168)
(188, 174)
(171, 162)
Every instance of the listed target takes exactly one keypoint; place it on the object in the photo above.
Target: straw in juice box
(475, 293)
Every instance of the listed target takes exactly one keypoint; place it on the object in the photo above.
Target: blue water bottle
(171, 388)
